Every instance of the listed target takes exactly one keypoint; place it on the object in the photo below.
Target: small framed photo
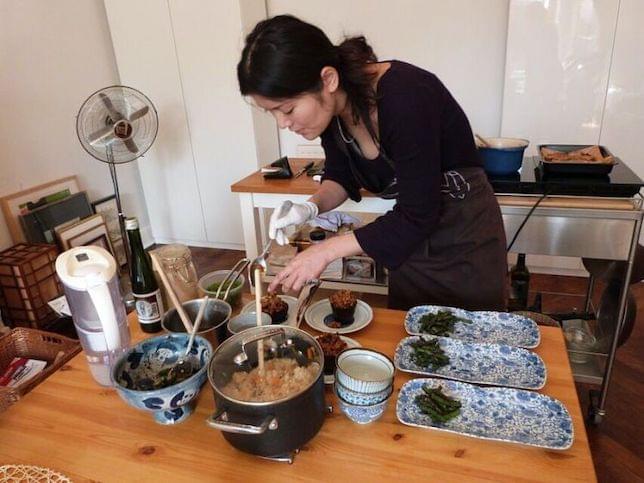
(23, 202)
(84, 230)
(108, 208)
(96, 236)
(359, 269)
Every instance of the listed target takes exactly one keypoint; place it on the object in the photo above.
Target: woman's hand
(310, 264)
(306, 266)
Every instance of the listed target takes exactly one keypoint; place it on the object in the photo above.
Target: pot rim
(263, 328)
(214, 301)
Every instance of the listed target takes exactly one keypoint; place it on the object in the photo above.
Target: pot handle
(263, 334)
(220, 421)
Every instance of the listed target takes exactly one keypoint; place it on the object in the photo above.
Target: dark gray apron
(463, 262)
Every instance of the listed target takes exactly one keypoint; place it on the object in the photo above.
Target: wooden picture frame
(67, 232)
(108, 208)
(12, 204)
(97, 236)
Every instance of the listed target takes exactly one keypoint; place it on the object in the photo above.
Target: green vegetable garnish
(438, 405)
(428, 352)
(441, 323)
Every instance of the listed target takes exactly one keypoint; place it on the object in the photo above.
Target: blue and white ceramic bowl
(362, 398)
(364, 370)
(362, 414)
(138, 371)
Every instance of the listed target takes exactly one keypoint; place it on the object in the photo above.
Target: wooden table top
(85, 431)
(304, 185)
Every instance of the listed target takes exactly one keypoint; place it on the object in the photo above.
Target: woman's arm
(311, 262)
(330, 195)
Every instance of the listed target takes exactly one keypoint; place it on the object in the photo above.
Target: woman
(393, 129)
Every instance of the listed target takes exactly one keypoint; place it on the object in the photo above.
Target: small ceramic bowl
(137, 371)
(234, 296)
(364, 370)
(246, 321)
(362, 414)
(361, 398)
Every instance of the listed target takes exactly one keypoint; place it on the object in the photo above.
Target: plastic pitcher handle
(100, 295)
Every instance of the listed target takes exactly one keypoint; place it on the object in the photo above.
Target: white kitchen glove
(297, 214)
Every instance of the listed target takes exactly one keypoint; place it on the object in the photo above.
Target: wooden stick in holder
(258, 314)
(173, 296)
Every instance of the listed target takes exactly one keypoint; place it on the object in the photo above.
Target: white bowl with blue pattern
(362, 414)
(490, 364)
(137, 371)
(494, 413)
(362, 398)
(486, 326)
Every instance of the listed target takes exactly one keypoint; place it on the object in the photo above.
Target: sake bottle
(147, 295)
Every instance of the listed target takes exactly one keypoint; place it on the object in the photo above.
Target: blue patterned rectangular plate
(487, 326)
(494, 413)
(493, 364)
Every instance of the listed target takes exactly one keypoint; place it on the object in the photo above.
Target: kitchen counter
(71, 425)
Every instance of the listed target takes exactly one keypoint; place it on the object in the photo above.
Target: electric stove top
(622, 182)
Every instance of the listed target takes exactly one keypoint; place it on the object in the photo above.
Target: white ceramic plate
(351, 343)
(317, 312)
(292, 307)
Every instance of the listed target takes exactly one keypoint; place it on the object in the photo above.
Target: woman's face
(308, 114)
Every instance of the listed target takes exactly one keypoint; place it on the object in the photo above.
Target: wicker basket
(33, 344)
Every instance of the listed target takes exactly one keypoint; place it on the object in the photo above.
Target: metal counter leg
(597, 411)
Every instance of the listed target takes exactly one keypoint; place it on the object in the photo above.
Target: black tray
(550, 168)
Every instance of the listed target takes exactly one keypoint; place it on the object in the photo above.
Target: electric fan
(116, 125)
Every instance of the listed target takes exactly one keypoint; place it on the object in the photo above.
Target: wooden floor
(618, 443)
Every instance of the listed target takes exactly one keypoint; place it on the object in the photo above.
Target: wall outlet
(309, 151)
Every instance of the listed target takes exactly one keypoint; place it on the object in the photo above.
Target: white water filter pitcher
(89, 277)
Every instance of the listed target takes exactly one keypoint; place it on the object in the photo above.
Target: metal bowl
(213, 324)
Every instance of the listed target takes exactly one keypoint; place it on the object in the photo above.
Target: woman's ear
(330, 78)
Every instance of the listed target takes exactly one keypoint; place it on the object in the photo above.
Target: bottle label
(149, 307)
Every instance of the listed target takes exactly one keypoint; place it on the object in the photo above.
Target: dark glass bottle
(519, 284)
(147, 296)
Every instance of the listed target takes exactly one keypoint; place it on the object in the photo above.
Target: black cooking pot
(268, 428)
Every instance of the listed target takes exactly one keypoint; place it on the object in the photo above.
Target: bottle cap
(131, 223)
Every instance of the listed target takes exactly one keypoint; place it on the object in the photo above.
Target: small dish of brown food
(274, 306)
(332, 345)
(343, 304)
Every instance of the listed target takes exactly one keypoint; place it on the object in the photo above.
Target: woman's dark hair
(283, 58)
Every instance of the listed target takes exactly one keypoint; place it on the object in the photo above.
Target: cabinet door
(208, 38)
(145, 55)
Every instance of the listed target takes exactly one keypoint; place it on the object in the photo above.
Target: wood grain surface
(72, 425)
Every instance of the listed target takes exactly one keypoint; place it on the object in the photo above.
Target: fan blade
(114, 114)
(131, 145)
(101, 135)
(139, 114)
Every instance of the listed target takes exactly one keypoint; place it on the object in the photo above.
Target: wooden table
(72, 425)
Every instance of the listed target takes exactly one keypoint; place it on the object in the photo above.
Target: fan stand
(117, 194)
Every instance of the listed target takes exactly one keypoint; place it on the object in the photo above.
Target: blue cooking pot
(505, 155)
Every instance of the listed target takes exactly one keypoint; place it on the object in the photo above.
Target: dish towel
(333, 220)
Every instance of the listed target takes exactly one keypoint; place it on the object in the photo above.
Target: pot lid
(292, 362)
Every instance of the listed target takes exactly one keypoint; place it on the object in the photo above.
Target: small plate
(292, 309)
(317, 312)
(490, 364)
(351, 343)
(493, 413)
(487, 326)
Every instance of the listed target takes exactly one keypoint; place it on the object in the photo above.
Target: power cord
(525, 220)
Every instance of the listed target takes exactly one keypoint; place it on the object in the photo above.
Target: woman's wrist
(340, 246)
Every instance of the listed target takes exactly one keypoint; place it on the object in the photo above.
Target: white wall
(461, 41)
(52, 56)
